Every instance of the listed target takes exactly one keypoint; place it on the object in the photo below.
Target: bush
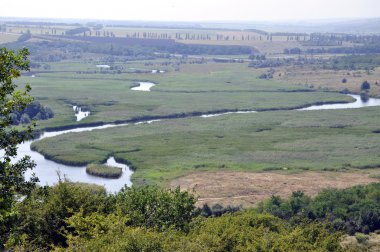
(361, 238)
(34, 111)
(153, 207)
(365, 86)
(41, 217)
(24, 119)
(266, 76)
(244, 231)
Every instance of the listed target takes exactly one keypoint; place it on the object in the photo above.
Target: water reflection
(79, 113)
(359, 103)
(143, 86)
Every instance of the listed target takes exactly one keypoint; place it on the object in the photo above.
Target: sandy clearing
(247, 188)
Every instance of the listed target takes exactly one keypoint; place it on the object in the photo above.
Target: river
(47, 171)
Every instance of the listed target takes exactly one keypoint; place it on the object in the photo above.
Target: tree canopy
(12, 181)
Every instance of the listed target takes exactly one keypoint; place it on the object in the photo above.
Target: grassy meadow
(275, 140)
(199, 88)
(331, 79)
(270, 140)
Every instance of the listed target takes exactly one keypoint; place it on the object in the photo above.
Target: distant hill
(362, 26)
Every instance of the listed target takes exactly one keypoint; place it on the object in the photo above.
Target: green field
(269, 140)
(295, 140)
(204, 88)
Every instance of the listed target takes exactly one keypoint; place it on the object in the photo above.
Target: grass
(375, 176)
(162, 151)
(201, 88)
(331, 79)
(104, 171)
(241, 188)
(297, 140)
(6, 37)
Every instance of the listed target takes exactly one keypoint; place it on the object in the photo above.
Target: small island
(104, 171)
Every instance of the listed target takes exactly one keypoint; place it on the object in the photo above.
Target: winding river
(47, 171)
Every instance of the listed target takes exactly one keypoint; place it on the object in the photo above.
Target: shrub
(41, 217)
(361, 238)
(365, 86)
(154, 207)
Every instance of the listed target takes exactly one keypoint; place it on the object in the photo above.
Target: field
(270, 44)
(331, 79)
(296, 140)
(6, 37)
(215, 87)
(247, 189)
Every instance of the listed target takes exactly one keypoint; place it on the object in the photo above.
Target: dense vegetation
(336, 140)
(355, 209)
(12, 180)
(74, 47)
(104, 171)
(33, 111)
(351, 62)
(78, 217)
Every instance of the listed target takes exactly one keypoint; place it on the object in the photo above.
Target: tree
(12, 181)
(153, 207)
(365, 85)
(41, 221)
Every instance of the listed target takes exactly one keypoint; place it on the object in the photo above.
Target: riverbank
(271, 140)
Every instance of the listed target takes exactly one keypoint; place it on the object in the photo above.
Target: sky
(192, 10)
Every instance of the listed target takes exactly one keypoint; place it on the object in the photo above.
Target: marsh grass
(104, 171)
(298, 140)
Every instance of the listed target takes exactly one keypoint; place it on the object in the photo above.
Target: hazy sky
(191, 10)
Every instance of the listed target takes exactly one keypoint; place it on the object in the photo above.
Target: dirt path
(247, 189)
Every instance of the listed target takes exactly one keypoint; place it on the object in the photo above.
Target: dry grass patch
(248, 188)
(330, 79)
(7, 37)
(370, 244)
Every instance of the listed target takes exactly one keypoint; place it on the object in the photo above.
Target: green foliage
(51, 215)
(104, 171)
(94, 225)
(34, 111)
(285, 209)
(361, 238)
(78, 217)
(355, 209)
(217, 210)
(245, 231)
(41, 219)
(153, 207)
(365, 86)
(12, 181)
